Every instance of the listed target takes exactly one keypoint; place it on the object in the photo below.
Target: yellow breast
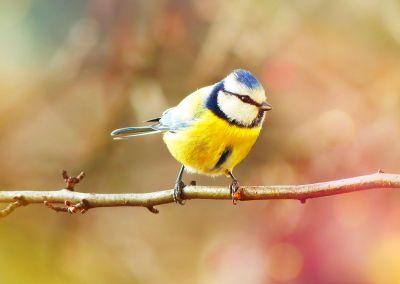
(211, 145)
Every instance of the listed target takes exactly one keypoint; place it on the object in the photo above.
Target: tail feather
(127, 132)
(154, 119)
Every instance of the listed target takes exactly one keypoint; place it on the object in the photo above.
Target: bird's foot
(234, 187)
(178, 193)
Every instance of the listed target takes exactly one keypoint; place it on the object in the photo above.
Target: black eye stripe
(243, 98)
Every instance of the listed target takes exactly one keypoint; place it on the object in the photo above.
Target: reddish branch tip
(55, 208)
(82, 206)
(71, 181)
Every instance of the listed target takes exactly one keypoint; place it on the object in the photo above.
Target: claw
(179, 185)
(178, 193)
(234, 187)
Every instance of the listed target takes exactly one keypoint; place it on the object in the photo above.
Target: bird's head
(241, 99)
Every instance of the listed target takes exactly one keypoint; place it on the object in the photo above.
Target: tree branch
(81, 202)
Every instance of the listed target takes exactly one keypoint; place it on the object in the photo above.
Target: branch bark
(81, 202)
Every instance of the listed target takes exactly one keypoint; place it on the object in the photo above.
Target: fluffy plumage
(213, 129)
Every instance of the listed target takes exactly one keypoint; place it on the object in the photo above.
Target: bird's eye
(244, 98)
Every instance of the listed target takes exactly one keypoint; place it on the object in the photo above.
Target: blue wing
(185, 113)
(174, 119)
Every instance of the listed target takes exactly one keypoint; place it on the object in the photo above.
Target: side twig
(81, 202)
(19, 201)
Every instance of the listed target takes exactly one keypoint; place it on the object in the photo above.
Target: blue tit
(211, 130)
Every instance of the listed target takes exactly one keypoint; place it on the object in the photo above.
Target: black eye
(244, 98)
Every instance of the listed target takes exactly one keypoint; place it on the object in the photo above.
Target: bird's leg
(234, 186)
(179, 185)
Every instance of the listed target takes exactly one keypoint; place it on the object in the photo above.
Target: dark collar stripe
(212, 104)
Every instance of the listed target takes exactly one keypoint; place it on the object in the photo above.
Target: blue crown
(246, 78)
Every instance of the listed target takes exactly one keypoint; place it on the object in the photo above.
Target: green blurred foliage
(71, 71)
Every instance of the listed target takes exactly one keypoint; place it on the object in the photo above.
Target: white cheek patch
(237, 110)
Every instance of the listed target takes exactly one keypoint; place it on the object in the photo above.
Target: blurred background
(72, 71)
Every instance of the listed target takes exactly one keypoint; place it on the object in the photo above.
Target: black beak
(265, 106)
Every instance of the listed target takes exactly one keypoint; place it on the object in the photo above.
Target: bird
(212, 129)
